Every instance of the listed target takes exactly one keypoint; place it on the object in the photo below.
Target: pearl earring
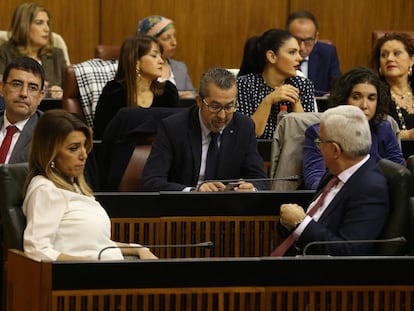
(52, 164)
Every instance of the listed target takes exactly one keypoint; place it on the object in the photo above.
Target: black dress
(114, 97)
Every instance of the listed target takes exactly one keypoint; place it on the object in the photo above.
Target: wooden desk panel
(239, 224)
(227, 284)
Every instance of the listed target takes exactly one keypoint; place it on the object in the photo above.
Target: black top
(114, 97)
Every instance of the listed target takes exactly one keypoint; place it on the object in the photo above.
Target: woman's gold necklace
(403, 101)
(405, 98)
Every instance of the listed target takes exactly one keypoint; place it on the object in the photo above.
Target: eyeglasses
(216, 108)
(319, 141)
(307, 41)
(17, 86)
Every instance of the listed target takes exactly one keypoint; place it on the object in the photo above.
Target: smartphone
(230, 186)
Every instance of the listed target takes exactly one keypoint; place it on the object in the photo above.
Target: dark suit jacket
(323, 67)
(175, 159)
(114, 97)
(20, 151)
(358, 212)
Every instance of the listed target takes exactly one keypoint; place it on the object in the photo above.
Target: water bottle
(282, 112)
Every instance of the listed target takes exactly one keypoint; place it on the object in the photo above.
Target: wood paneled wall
(213, 32)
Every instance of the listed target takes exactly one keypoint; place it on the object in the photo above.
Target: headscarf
(154, 25)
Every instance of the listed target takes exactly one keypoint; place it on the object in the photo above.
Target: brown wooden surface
(39, 286)
(233, 236)
(213, 32)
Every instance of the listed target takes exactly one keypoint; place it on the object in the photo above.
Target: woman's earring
(52, 164)
(138, 74)
(410, 71)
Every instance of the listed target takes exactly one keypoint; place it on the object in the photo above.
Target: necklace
(405, 97)
(400, 117)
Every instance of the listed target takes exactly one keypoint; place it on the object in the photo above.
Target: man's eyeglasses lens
(18, 86)
(217, 107)
(307, 41)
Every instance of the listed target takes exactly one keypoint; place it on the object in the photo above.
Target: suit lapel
(346, 188)
(20, 150)
(194, 141)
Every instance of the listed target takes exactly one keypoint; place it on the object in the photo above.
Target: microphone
(207, 244)
(225, 181)
(398, 240)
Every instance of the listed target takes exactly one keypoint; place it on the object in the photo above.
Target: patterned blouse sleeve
(307, 94)
(243, 96)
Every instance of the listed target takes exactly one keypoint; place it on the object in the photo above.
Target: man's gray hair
(348, 126)
(221, 77)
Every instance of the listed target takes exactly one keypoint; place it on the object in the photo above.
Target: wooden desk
(223, 284)
(239, 224)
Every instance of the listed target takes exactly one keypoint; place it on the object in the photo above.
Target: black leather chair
(398, 224)
(12, 180)
(410, 166)
(13, 221)
(126, 145)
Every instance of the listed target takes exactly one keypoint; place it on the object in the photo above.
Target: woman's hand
(145, 253)
(407, 134)
(286, 92)
(54, 91)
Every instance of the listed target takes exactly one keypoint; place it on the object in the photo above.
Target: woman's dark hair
(132, 49)
(344, 85)
(255, 48)
(404, 38)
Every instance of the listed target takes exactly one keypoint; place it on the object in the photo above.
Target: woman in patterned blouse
(267, 79)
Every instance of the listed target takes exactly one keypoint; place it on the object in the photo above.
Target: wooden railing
(222, 284)
(232, 236)
(238, 224)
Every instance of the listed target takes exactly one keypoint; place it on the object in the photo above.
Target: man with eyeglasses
(355, 198)
(179, 158)
(320, 60)
(22, 90)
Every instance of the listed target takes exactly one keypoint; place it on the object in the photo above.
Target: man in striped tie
(351, 202)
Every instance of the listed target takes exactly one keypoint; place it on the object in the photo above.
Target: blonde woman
(64, 221)
(30, 35)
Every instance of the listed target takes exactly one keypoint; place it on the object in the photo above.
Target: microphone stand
(207, 244)
(397, 240)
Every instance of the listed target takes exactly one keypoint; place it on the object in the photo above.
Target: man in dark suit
(357, 207)
(22, 89)
(320, 60)
(178, 158)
